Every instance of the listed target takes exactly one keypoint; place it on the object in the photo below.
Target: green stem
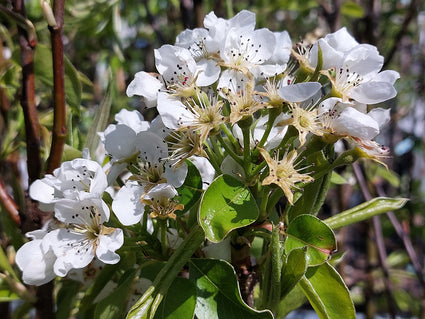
(169, 272)
(230, 136)
(273, 199)
(276, 271)
(217, 150)
(212, 157)
(163, 230)
(230, 151)
(246, 131)
(257, 169)
(272, 116)
(263, 206)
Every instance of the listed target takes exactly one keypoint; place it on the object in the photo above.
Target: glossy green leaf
(375, 206)
(309, 231)
(114, 305)
(218, 292)
(293, 269)
(226, 205)
(179, 302)
(294, 300)
(191, 190)
(328, 303)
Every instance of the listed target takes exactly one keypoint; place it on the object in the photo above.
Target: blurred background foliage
(107, 41)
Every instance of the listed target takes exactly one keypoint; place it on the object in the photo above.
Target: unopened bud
(48, 13)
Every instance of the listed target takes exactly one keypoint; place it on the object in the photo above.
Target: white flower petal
(205, 168)
(373, 92)
(380, 115)
(145, 85)
(354, 123)
(163, 190)
(127, 204)
(132, 119)
(36, 265)
(208, 72)
(69, 249)
(173, 112)
(299, 92)
(108, 244)
(114, 137)
(42, 192)
(80, 211)
(389, 76)
(175, 176)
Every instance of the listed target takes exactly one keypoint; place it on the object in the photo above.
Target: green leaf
(6, 294)
(73, 87)
(364, 211)
(70, 153)
(294, 300)
(218, 292)
(101, 280)
(352, 9)
(191, 190)
(327, 293)
(43, 68)
(338, 179)
(66, 298)
(293, 269)
(179, 302)
(226, 205)
(309, 231)
(99, 123)
(114, 305)
(5, 266)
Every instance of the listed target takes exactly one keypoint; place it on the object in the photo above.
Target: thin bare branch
(59, 117)
(9, 204)
(379, 240)
(27, 44)
(410, 15)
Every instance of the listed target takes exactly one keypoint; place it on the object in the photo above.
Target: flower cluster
(77, 235)
(231, 99)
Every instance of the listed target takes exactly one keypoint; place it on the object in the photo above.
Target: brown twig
(411, 14)
(27, 44)
(332, 16)
(406, 241)
(9, 204)
(379, 239)
(59, 117)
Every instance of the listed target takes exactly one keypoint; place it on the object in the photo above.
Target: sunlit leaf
(293, 269)
(179, 301)
(218, 292)
(364, 211)
(227, 204)
(327, 293)
(309, 231)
